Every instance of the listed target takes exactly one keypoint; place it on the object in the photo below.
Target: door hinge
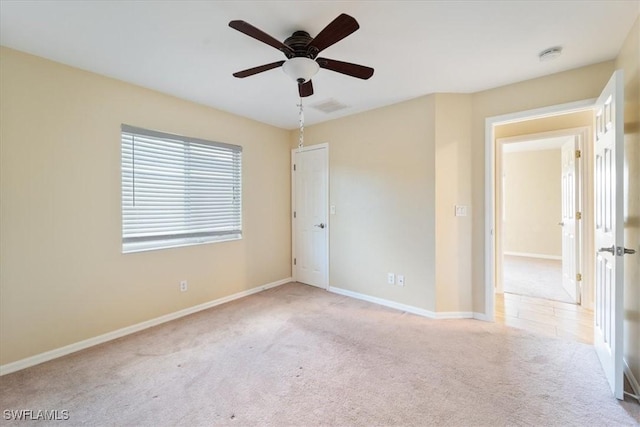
(295, 261)
(578, 154)
(294, 167)
(294, 214)
(578, 215)
(579, 277)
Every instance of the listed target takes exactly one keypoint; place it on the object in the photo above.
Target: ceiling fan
(302, 50)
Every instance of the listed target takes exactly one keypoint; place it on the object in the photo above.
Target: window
(178, 191)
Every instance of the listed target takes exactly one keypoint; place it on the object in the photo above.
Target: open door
(609, 156)
(310, 182)
(570, 216)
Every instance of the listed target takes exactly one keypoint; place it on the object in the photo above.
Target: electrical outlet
(391, 278)
(183, 286)
(400, 280)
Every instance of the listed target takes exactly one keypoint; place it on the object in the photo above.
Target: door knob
(629, 251)
(612, 250)
(321, 225)
(561, 224)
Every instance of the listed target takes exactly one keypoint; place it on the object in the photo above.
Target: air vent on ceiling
(550, 54)
(329, 106)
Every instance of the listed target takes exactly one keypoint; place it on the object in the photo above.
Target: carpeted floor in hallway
(534, 277)
(297, 355)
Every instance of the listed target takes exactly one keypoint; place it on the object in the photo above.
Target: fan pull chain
(301, 122)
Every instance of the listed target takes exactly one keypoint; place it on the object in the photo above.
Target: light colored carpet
(297, 355)
(534, 277)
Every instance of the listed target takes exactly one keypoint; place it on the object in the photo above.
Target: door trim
(490, 183)
(325, 147)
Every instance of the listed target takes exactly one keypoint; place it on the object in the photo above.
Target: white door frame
(325, 147)
(490, 185)
(583, 134)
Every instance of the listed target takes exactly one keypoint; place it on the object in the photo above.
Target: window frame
(222, 220)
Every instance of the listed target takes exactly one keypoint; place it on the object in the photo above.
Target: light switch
(461, 210)
(391, 278)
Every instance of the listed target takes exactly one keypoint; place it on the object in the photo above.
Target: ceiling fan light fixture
(300, 69)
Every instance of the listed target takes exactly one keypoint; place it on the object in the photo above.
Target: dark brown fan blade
(257, 34)
(256, 70)
(338, 29)
(305, 89)
(353, 70)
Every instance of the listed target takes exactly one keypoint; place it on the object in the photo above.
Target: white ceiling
(186, 49)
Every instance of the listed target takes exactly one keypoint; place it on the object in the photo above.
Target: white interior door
(609, 156)
(310, 226)
(570, 209)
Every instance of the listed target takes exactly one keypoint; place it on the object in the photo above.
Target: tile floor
(560, 319)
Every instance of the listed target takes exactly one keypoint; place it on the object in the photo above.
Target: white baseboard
(482, 316)
(81, 345)
(402, 307)
(632, 379)
(454, 315)
(530, 255)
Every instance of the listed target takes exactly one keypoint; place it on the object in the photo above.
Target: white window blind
(178, 190)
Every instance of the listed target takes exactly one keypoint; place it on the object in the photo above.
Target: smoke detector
(550, 53)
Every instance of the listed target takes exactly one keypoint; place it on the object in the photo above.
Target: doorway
(541, 198)
(539, 230)
(555, 118)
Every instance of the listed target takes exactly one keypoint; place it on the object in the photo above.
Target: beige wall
(453, 175)
(532, 202)
(396, 174)
(628, 60)
(62, 275)
(382, 182)
(445, 137)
